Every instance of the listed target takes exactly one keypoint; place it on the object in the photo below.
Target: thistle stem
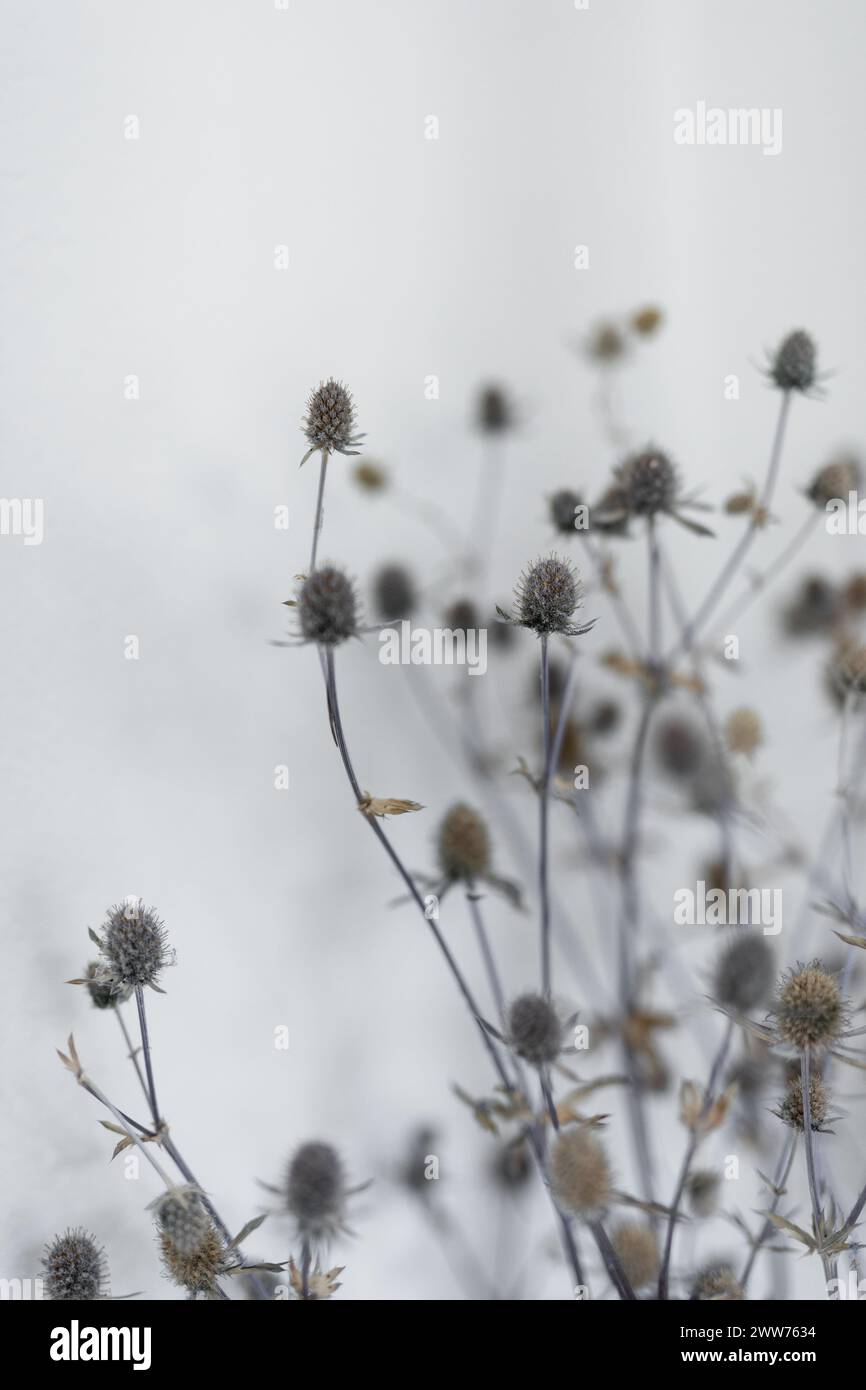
(809, 1146)
(780, 1178)
(612, 1262)
(487, 954)
(320, 512)
(145, 1046)
(543, 837)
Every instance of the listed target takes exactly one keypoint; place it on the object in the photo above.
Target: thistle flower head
(133, 947)
(637, 1248)
(702, 1191)
(462, 616)
(328, 607)
(512, 1166)
(647, 320)
(791, 1111)
(563, 505)
(547, 596)
(809, 1010)
(495, 413)
(814, 608)
(183, 1219)
(198, 1270)
(846, 672)
(793, 366)
(651, 483)
(99, 987)
(605, 344)
(580, 1172)
(680, 747)
(535, 1030)
(464, 844)
(717, 1283)
(370, 477)
(394, 590)
(743, 731)
(744, 973)
(74, 1268)
(329, 423)
(836, 479)
(316, 1190)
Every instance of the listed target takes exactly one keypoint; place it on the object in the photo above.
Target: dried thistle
(580, 1173)
(328, 607)
(790, 1110)
(316, 1191)
(637, 1249)
(75, 1268)
(717, 1283)
(793, 365)
(465, 853)
(744, 973)
(835, 480)
(743, 731)
(329, 423)
(809, 1010)
(133, 946)
(546, 598)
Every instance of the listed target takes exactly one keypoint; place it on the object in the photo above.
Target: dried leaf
(782, 1224)
(245, 1231)
(386, 806)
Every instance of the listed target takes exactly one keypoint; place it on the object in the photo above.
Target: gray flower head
(316, 1191)
(134, 947)
(328, 607)
(75, 1268)
(546, 598)
(329, 423)
(793, 365)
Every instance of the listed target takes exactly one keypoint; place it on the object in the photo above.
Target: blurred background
(282, 215)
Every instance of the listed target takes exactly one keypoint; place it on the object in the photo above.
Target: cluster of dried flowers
(781, 1024)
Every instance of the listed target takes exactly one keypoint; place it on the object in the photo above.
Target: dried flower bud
(495, 413)
(835, 480)
(651, 484)
(74, 1268)
(329, 423)
(512, 1166)
(133, 946)
(790, 1110)
(462, 616)
(809, 1010)
(637, 1250)
(546, 598)
(370, 477)
(744, 973)
(846, 672)
(534, 1029)
(464, 844)
(743, 730)
(198, 1270)
(580, 1173)
(702, 1191)
(717, 1283)
(814, 608)
(183, 1219)
(316, 1190)
(328, 607)
(680, 748)
(563, 508)
(606, 343)
(99, 987)
(793, 366)
(647, 321)
(395, 594)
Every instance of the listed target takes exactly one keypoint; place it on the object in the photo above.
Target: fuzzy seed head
(679, 748)
(534, 1029)
(184, 1220)
(606, 344)
(835, 480)
(464, 844)
(329, 423)
(133, 946)
(370, 477)
(563, 505)
(702, 1191)
(790, 1110)
(650, 482)
(793, 366)
(328, 607)
(809, 1009)
(646, 321)
(638, 1252)
(74, 1268)
(814, 608)
(316, 1190)
(199, 1270)
(495, 413)
(744, 973)
(547, 596)
(99, 987)
(846, 672)
(395, 594)
(512, 1166)
(717, 1283)
(580, 1172)
(743, 730)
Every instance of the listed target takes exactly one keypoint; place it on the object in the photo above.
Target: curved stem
(544, 805)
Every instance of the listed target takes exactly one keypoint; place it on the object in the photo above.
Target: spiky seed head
(370, 477)
(611, 514)
(791, 1111)
(637, 1248)
(717, 1283)
(744, 972)
(100, 988)
(74, 1268)
(547, 596)
(534, 1029)
(512, 1166)
(464, 844)
(679, 747)
(328, 607)
(606, 343)
(606, 717)
(814, 608)
(563, 506)
(316, 1190)
(846, 672)
(198, 1270)
(647, 321)
(702, 1191)
(835, 480)
(183, 1218)
(329, 423)
(133, 946)
(650, 481)
(743, 730)
(394, 590)
(495, 412)
(809, 1009)
(580, 1172)
(793, 367)
(462, 616)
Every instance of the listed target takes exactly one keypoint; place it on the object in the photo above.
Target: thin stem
(131, 1051)
(780, 1178)
(544, 803)
(621, 610)
(306, 1261)
(319, 517)
(809, 1145)
(743, 546)
(760, 582)
(691, 1149)
(654, 595)
(487, 954)
(612, 1263)
(145, 1047)
(128, 1126)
